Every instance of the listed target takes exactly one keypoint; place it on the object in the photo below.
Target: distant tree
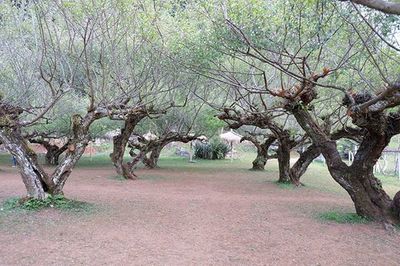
(262, 147)
(180, 124)
(294, 71)
(67, 49)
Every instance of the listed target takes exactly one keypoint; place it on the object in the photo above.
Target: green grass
(98, 160)
(284, 185)
(5, 159)
(343, 218)
(317, 176)
(56, 202)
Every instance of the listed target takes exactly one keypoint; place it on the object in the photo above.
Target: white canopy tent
(232, 138)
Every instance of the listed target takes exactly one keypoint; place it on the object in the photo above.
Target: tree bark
(36, 181)
(370, 200)
(31, 172)
(260, 161)
(283, 153)
(301, 165)
(119, 145)
(262, 151)
(76, 148)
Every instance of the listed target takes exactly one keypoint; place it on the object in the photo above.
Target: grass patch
(343, 218)
(56, 202)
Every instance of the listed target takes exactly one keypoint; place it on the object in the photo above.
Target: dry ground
(189, 216)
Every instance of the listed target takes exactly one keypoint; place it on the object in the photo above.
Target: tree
(73, 53)
(286, 142)
(53, 131)
(120, 141)
(180, 124)
(172, 86)
(374, 114)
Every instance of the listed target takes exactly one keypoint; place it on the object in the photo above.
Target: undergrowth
(343, 218)
(56, 202)
(285, 185)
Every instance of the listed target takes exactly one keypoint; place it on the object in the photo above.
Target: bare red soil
(178, 217)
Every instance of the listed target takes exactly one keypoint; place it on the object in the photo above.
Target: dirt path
(173, 217)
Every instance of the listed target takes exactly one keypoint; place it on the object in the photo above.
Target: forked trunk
(64, 169)
(119, 146)
(262, 150)
(36, 181)
(117, 157)
(154, 147)
(370, 200)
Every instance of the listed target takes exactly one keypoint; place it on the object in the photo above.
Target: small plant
(343, 218)
(219, 150)
(56, 201)
(215, 150)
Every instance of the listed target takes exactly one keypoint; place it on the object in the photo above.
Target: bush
(215, 150)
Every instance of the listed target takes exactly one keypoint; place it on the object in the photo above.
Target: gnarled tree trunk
(76, 148)
(53, 154)
(262, 151)
(283, 153)
(366, 190)
(31, 172)
(260, 161)
(36, 181)
(370, 200)
(301, 165)
(119, 145)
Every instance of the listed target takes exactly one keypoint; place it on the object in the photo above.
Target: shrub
(214, 150)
